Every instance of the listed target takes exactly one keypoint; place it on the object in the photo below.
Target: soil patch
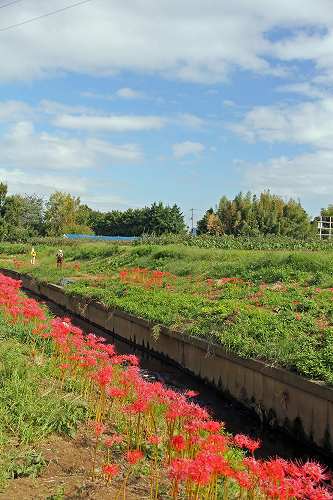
(68, 475)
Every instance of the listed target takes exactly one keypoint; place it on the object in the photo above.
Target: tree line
(26, 216)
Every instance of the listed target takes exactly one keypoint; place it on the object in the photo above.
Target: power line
(52, 13)
(10, 3)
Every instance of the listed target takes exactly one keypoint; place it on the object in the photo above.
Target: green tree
(62, 210)
(157, 219)
(22, 217)
(202, 225)
(250, 215)
(3, 196)
(327, 212)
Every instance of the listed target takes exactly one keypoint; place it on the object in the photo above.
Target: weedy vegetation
(53, 376)
(273, 305)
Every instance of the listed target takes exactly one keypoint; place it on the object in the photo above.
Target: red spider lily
(179, 469)
(110, 470)
(217, 463)
(315, 471)
(134, 456)
(103, 376)
(64, 366)
(195, 440)
(178, 443)
(243, 441)
(130, 359)
(139, 406)
(115, 439)
(146, 277)
(155, 440)
(253, 465)
(244, 480)
(211, 426)
(216, 443)
(98, 428)
(115, 392)
(320, 493)
(191, 394)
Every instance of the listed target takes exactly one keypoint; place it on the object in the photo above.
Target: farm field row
(79, 421)
(271, 305)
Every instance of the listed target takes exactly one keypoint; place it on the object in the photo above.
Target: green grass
(32, 406)
(264, 242)
(277, 313)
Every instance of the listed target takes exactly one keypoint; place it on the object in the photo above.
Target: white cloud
(11, 111)
(228, 103)
(190, 120)
(79, 117)
(106, 202)
(182, 149)
(111, 123)
(27, 181)
(22, 146)
(302, 88)
(128, 93)
(175, 39)
(54, 107)
(125, 152)
(122, 93)
(303, 176)
(97, 95)
(309, 123)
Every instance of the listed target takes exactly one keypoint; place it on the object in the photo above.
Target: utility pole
(192, 219)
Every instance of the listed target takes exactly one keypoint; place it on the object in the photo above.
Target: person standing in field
(60, 258)
(33, 256)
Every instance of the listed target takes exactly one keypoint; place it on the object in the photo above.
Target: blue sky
(127, 102)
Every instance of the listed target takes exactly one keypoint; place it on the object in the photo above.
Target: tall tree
(202, 225)
(250, 215)
(214, 225)
(61, 212)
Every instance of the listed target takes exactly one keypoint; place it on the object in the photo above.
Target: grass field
(274, 305)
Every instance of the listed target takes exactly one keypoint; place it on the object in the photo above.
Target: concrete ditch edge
(301, 407)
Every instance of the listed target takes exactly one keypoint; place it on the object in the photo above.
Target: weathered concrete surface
(302, 407)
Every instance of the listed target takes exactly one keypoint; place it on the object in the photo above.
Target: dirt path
(68, 476)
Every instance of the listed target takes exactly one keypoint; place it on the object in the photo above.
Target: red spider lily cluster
(77, 266)
(17, 263)
(147, 277)
(145, 422)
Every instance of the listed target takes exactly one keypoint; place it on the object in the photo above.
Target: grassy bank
(272, 305)
(32, 407)
(144, 440)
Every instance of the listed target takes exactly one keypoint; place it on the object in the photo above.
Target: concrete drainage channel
(280, 399)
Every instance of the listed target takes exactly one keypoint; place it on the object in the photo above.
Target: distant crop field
(269, 304)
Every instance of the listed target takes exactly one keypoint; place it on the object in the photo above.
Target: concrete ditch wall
(301, 407)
